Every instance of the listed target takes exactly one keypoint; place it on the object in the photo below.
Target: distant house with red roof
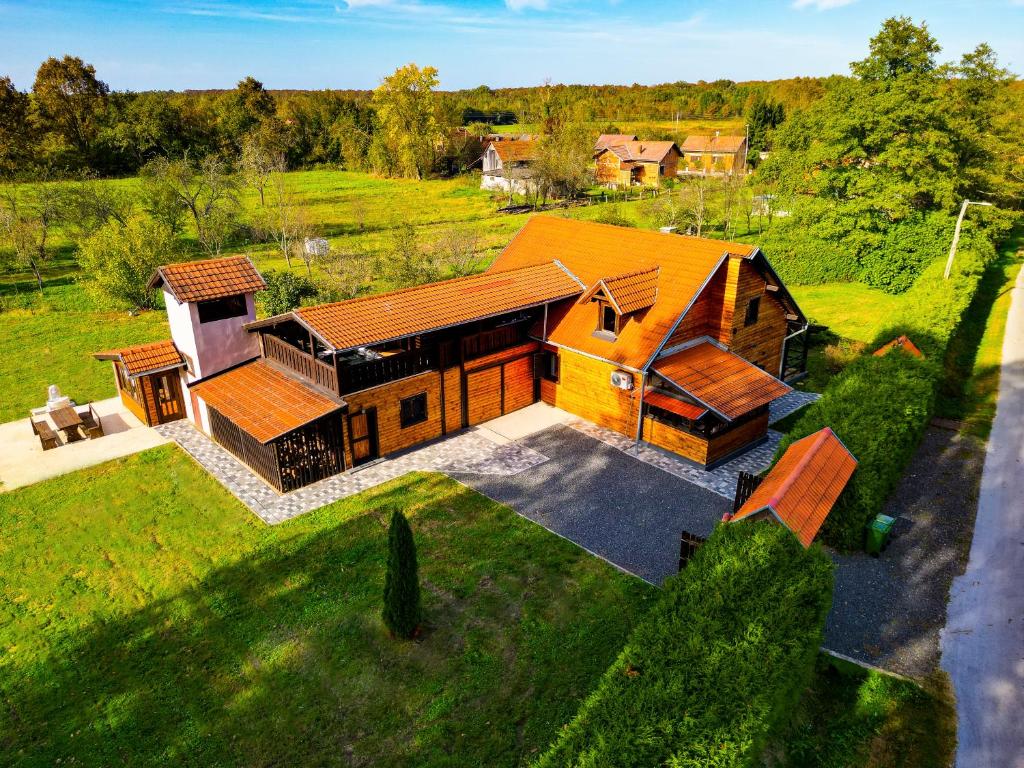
(680, 342)
(508, 165)
(714, 155)
(621, 161)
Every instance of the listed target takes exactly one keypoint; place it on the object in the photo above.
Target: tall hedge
(718, 663)
(880, 406)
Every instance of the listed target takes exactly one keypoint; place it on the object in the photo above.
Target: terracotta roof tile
(394, 315)
(642, 151)
(515, 150)
(263, 401)
(612, 139)
(145, 358)
(803, 486)
(594, 251)
(209, 278)
(672, 404)
(713, 143)
(725, 382)
(628, 293)
(902, 343)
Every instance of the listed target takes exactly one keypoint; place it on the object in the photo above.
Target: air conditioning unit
(622, 380)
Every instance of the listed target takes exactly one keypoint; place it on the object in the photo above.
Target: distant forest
(71, 124)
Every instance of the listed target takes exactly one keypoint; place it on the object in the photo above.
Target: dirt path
(983, 643)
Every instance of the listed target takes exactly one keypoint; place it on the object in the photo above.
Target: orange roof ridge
(145, 358)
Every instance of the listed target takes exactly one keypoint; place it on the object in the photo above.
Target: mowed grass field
(147, 618)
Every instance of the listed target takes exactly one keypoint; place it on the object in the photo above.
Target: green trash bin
(878, 531)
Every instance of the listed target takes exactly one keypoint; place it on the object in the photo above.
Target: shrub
(401, 582)
(880, 406)
(285, 291)
(718, 663)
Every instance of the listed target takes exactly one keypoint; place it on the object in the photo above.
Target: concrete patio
(24, 462)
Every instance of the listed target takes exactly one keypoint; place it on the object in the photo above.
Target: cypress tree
(401, 582)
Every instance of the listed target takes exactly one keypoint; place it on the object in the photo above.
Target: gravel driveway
(624, 510)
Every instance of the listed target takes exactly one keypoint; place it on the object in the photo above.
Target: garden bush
(717, 665)
(880, 406)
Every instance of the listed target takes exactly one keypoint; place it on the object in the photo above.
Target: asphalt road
(983, 642)
(621, 509)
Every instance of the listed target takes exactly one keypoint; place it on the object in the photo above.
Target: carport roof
(263, 401)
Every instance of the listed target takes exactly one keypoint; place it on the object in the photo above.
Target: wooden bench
(91, 422)
(47, 437)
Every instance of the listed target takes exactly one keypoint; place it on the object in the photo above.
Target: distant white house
(507, 166)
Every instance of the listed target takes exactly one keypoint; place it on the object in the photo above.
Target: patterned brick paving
(721, 480)
(468, 452)
(787, 404)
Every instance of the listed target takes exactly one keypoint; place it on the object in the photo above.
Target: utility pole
(956, 235)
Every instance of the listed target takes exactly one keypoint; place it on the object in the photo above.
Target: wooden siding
(260, 458)
(728, 442)
(391, 436)
(608, 169)
(483, 395)
(584, 388)
(702, 450)
(760, 343)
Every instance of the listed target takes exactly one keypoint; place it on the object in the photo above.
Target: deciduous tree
(120, 257)
(406, 110)
(69, 101)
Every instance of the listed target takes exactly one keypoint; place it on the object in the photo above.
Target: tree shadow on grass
(281, 658)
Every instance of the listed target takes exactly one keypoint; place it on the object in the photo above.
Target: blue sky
(177, 44)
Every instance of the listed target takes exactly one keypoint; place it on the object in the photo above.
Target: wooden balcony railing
(485, 342)
(376, 372)
(304, 364)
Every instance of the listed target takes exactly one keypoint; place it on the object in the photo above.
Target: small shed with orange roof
(801, 489)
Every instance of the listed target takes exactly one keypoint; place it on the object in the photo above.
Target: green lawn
(147, 618)
(44, 346)
(850, 310)
(850, 717)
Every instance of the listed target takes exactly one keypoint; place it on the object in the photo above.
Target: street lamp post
(956, 236)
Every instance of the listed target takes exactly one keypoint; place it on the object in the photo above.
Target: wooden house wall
(722, 445)
(701, 450)
(387, 399)
(584, 388)
(760, 343)
(608, 168)
(148, 410)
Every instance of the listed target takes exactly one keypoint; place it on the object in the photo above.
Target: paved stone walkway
(467, 452)
(721, 480)
(787, 404)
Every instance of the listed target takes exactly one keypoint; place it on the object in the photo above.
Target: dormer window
(609, 319)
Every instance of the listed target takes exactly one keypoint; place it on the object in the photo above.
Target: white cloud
(522, 5)
(821, 5)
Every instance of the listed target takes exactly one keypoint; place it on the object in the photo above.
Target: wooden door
(483, 395)
(168, 397)
(518, 380)
(362, 436)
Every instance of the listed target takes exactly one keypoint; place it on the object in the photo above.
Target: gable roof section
(145, 358)
(209, 278)
(713, 143)
(517, 150)
(640, 151)
(801, 489)
(263, 401)
(409, 311)
(726, 383)
(593, 251)
(628, 293)
(610, 139)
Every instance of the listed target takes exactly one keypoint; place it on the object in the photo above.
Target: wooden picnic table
(68, 421)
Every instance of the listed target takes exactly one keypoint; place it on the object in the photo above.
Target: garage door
(483, 395)
(499, 390)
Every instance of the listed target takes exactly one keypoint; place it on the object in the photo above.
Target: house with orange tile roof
(621, 161)
(508, 166)
(679, 342)
(714, 155)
